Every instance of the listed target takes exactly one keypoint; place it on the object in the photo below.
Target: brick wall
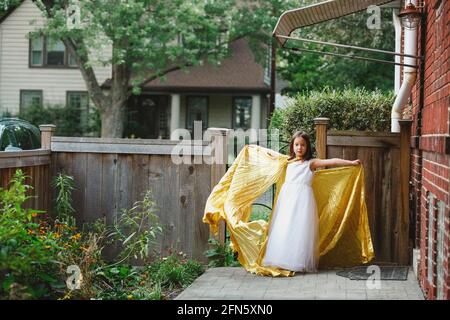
(430, 159)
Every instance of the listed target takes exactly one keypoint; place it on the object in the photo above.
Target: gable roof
(237, 73)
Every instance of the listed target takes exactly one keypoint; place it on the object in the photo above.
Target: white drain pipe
(409, 74)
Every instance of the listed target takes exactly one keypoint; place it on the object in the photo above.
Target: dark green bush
(68, 121)
(221, 255)
(348, 109)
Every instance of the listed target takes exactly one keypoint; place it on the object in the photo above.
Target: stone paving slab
(238, 284)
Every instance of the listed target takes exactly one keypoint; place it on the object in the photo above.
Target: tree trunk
(113, 115)
(113, 120)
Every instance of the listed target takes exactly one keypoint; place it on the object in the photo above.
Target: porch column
(255, 117)
(175, 114)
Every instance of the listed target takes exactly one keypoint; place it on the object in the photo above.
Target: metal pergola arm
(352, 57)
(348, 47)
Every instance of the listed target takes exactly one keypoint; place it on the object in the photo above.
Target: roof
(326, 10)
(237, 73)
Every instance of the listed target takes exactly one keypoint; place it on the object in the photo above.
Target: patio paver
(236, 283)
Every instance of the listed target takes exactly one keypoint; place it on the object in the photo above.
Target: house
(422, 86)
(41, 71)
(234, 94)
(430, 143)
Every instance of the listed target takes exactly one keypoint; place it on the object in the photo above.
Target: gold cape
(344, 234)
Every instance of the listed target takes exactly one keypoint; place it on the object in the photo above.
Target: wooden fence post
(219, 144)
(405, 157)
(47, 131)
(321, 136)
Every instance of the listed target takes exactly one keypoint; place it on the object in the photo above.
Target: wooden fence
(112, 174)
(35, 164)
(385, 157)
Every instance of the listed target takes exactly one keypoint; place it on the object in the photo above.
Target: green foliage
(67, 120)
(36, 251)
(310, 71)
(157, 281)
(27, 250)
(220, 255)
(124, 282)
(348, 109)
(65, 185)
(136, 229)
(175, 271)
(260, 213)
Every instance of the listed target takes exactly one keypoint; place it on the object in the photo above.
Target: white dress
(294, 229)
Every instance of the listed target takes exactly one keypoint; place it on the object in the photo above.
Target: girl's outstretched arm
(334, 162)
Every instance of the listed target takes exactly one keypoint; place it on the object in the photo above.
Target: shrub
(68, 121)
(348, 109)
(36, 251)
(220, 255)
(27, 248)
(175, 271)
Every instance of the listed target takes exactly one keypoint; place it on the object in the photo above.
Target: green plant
(69, 121)
(27, 251)
(175, 271)
(220, 255)
(136, 229)
(347, 109)
(35, 251)
(260, 213)
(64, 185)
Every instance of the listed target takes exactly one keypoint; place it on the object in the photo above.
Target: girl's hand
(356, 162)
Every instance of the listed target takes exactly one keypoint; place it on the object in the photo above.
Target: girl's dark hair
(304, 135)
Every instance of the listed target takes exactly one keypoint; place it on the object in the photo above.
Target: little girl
(293, 237)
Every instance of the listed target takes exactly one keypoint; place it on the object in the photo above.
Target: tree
(310, 71)
(149, 38)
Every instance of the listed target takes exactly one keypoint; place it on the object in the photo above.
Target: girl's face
(300, 147)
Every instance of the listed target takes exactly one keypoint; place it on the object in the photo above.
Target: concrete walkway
(236, 283)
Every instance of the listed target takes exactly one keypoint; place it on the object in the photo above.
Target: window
(79, 100)
(197, 110)
(30, 98)
(242, 108)
(55, 52)
(37, 50)
(48, 52)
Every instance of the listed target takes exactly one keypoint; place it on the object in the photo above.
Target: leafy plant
(68, 120)
(137, 229)
(347, 109)
(175, 271)
(259, 213)
(35, 251)
(27, 250)
(65, 185)
(220, 255)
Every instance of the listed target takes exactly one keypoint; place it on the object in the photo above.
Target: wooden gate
(385, 157)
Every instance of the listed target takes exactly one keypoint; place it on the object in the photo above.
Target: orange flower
(34, 214)
(76, 236)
